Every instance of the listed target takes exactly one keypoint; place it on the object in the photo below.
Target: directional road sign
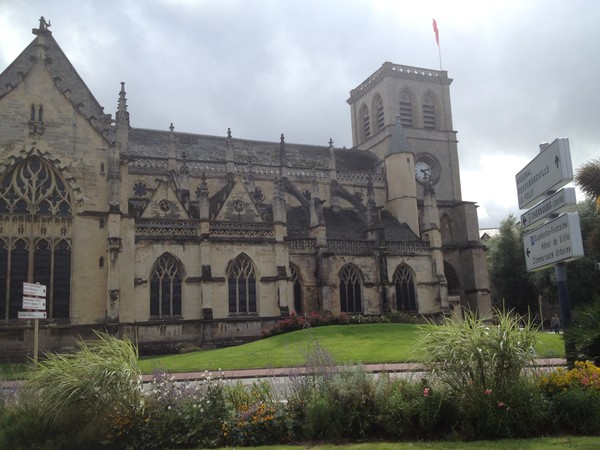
(557, 241)
(551, 169)
(34, 290)
(32, 314)
(34, 303)
(561, 201)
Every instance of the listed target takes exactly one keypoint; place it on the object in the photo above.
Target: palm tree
(588, 180)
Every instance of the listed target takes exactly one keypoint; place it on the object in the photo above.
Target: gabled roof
(66, 78)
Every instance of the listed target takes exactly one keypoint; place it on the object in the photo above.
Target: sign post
(559, 239)
(34, 302)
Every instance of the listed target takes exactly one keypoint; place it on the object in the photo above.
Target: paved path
(284, 372)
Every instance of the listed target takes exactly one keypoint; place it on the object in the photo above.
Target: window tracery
(350, 290)
(405, 289)
(242, 285)
(35, 245)
(165, 288)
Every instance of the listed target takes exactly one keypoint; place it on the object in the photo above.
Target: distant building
(485, 234)
(168, 236)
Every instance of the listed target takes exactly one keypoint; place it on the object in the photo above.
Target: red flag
(437, 33)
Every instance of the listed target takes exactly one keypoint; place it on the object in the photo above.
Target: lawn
(365, 344)
(563, 442)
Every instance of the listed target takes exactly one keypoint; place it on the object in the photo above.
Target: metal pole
(36, 342)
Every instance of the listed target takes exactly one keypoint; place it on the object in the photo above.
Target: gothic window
(34, 188)
(242, 285)
(165, 288)
(36, 210)
(379, 115)
(452, 279)
(297, 289)
(406, 110)
(350, 290)
(429, 112)
(365, 122)
(405, 289)
(446, 228)
(32, 116)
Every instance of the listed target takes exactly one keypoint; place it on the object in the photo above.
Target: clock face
(423, 171)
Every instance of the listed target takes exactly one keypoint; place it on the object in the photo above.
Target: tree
(588, 180)
(510, 284)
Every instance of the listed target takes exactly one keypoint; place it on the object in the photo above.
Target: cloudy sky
(524, 71)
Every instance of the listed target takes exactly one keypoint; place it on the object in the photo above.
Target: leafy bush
(338, 407)
(577, 411)
(522, 411)
(299, 322)
(407, 409)
(583, 333)
(585, 375)
(471, 354)
(257, 418)
(175, 415)
(74, 397)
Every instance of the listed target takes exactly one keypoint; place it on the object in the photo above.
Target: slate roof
(347, 225)
(396, 231)
(64, 74)
(145, 143)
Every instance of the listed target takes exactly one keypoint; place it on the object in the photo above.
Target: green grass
(558, 443)
(365, 344)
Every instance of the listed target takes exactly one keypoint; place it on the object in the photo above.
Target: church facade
(171, 237)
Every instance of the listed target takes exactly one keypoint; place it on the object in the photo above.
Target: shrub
(575, 397)
(74, 397)
(522, 411)
(339, 407)
(577, 411)
(472, 354)
(175, 415)
(257, 418)
(410, 410)
(583, 333)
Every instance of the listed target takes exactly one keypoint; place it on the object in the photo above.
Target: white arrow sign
(32, 314)
(34, 290)
(563, 200)
(551, 169)
(558, 240)
(34, 303)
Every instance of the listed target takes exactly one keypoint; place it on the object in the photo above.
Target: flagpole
(437, 40)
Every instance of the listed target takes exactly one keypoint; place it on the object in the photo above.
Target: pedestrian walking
(555, 324)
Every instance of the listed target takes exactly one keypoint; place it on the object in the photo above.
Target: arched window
(446, 229)
(365, 122)
(165, 287)
(406, 109)
(379, 114)
(429, 119)
(350, 290)
(242, 285)
(406, 299)
(297, 289)
(452, 279)
(35, 244)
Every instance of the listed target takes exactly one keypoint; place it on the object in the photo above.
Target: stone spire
(172, 161)
(230, 165)
(398, 143)
(332, 162)
(283, 157)
(122, 115)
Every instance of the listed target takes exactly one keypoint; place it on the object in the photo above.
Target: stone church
(170, 237)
